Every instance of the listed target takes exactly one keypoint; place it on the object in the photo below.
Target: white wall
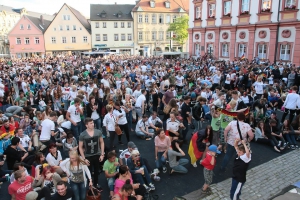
(191, 14)
(291, 38)
(219, 8)
(254, 8)
(275, 10)
(235, 11)
(204, 13)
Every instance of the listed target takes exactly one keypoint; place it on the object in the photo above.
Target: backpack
(196, 111)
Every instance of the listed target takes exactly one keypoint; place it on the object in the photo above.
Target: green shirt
(118, 75)
(110, 166)
(86, 73)
(21, 101)
(225, 120)
(216, 123)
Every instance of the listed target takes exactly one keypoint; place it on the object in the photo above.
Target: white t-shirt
(174, 126)
(227, 81)
(140, 124)
(66, 124)
(74, 114)
(105, 82)
(259, 87)
(140, 100)
(179, 80)
(136, 93)
(144, 68)
(47, 126)
(24, 141)
(122, 120)
(52, 161)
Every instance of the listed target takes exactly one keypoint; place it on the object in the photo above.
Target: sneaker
(292, 147)
(148, 189)
(194, 164)
(205, 191)
(152, 187)
(165, 170)
(296, 146)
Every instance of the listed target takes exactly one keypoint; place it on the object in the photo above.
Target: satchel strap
(92, 190)
(239, 130)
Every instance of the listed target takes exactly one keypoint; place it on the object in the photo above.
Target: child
(240, 167)
(209, 163)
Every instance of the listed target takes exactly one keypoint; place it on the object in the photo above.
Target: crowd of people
(60, 116)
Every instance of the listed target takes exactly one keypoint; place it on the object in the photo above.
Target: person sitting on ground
(173, 153)
(54, 158)
(273, 133)
(141, 128)
(110, 169)
(17, 166)
(124, 192)
(289, 134)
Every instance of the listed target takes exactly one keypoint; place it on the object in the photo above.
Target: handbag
(117, 128)
(239, 130)
(93, 194)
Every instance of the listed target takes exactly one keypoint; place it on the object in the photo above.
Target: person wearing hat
(209, 163)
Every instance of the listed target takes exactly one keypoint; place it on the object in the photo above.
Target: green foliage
(180, 29)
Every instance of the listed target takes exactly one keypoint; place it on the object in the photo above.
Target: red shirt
(177, 68)
(11, 128)
(206, 162)
(20, 190)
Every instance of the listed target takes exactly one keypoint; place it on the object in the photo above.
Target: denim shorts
(208, 175)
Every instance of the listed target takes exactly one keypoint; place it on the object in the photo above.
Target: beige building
(8, 18)
(112, 28)
(151, 22)
(69, 32)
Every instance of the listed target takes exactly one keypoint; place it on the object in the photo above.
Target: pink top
(119, 184)
(163, 145)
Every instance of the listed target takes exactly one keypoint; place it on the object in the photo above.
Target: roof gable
(26, 20)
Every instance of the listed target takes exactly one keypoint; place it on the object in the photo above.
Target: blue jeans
(111, 183)
(141, 134)
(76, 130)
(161, 161)
(66, 104)
(180, 168)
(236, 188)
(97, 123)
(290, 137)
(229, 153)
(129, 119)
(79, 190)
(140, 179)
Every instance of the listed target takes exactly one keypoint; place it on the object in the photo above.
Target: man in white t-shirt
(25, 140)
(140, 104)
(179, 81)
(141, 128)
(48, 128)
(73, 115)
(105, 81)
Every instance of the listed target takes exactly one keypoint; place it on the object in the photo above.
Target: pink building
(27, 37)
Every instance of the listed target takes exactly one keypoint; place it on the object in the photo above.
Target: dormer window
(103, 14)
(167, 3)
(119, 15)
(152, 4)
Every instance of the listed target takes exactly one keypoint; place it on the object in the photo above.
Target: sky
(53, 6)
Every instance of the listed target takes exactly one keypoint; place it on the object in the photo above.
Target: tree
(180, 29)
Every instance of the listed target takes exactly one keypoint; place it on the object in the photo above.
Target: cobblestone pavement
(263, 181)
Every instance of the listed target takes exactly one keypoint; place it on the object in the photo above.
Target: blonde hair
(109, 108)
(78, 158)
(134, 152)
(232, 103)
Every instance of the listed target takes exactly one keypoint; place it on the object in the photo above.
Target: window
(97, 25)
(146, 19)
(53, 40)
(80, 28)
(67, 27)
(167, 4)
(245, 5)
(122, 25)
(227, 7)
(28, 27)
(123, 37)
(97, 37)
(285, 51)
(153, 18)
(147, 35)
(129, 37)
(74, 27)
(153, 35)
(211, 10)
(66, 17)
(104, 37)
(85, 39)
(152, 4)
(73, 39)
(262, 51)
(161, 35)
(18, 40)
(116, 24)
(140, 36)
(161, 19)
(21, 26)
(140, 18)
(26, 40)
(290, 4)
(168, 35)
(168, 19)
(64, 40)
(266, 4)
(197, 49)
(60, 27)
(104, 24)
(242, 50)
(54, 29)
(225, 52)
(174, 18)
(198, 12)
(128, 24)
(37, 40)
(210, 49)
(116, 36)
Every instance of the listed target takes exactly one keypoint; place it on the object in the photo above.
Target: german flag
(233, 113)
(193, 151)
(243, 57)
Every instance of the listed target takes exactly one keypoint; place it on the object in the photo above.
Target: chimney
(42, 19)
(115, 3)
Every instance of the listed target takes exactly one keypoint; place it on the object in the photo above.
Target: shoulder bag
(117, 128)
(241, 137)
(93, 194)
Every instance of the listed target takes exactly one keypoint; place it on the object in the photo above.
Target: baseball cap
(31, 195)
(131, 145)
(214, 148)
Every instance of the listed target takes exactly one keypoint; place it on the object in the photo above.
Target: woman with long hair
(176, 163)
(48, 98)
(38, 164)
(120, 113)
(171, 107)
(199, 144)
(77, 171)
(13, 122)
(121, 178)
(47, 112)
(127, 103)
(93, 111)
(162, 144)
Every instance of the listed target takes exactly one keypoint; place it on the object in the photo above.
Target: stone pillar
(202, 51)
(296, 53)
(232, 43)
(250, 53)
(217, 43)
(190, 41)
(272, 43)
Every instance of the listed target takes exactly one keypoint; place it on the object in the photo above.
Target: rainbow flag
(193, 151)
(243, 57)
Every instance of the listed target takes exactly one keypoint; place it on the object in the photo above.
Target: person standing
(140, 104)
(169, 94)
(48, 128)
(73, 115)
(292, 100)
(93, 153)
(240, 167)
(185, 114)
(120, 113)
